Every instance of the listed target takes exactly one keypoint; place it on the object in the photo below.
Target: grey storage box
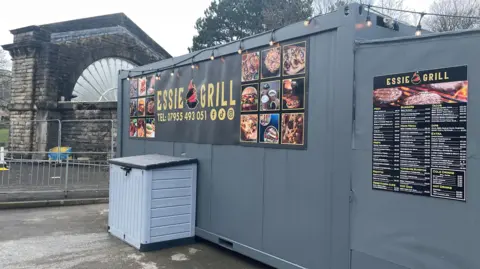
(152, 200)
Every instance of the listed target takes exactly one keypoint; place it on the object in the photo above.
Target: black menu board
(420, 133)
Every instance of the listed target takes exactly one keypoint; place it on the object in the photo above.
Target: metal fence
(32, 172)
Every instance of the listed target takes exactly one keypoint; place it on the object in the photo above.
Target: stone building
(68, 71)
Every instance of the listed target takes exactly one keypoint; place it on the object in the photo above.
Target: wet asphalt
(76, 237)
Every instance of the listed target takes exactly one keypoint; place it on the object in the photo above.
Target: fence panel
(27, 168)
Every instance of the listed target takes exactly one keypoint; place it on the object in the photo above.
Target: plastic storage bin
(152, 200)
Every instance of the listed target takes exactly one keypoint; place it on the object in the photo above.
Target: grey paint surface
(287, 208)
(405, 231)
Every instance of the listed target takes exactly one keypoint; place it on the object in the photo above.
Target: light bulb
(271, 43)
(306, 22)
(239, 51)
(369, 21)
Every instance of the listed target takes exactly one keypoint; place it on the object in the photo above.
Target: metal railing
(21, 173)
(26, 170)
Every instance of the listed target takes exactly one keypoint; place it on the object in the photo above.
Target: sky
(169, 22)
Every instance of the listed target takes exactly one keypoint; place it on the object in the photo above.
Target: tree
(469, 8)
(229, 20)
(4, 60)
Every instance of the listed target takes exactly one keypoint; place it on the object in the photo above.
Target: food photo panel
(249, 128)
(133, 88)
(140, 128)
(150, 127)
(271, 62)
(150, 85)
(141, 107)
(269, 128)
(270, 96)
(425, 94)
(249, 99)
(294, 59)
(292, 129)
(250, 66)
(142, 86)
(133, 107)
(293, 94)
(150, 106)
(132, 128)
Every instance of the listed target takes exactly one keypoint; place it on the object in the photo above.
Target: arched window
(99, 81)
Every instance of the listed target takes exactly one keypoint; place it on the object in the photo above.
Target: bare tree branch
(469, 8)
(5, 62)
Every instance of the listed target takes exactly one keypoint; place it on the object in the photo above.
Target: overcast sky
(169, 22)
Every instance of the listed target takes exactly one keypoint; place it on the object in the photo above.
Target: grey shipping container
(152, 200)
(286, 208)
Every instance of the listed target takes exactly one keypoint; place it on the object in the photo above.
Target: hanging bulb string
(424, 13)
(309, 20)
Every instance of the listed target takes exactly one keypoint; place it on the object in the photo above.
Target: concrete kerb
(52, 203)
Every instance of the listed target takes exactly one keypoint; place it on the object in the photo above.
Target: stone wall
(87, 127)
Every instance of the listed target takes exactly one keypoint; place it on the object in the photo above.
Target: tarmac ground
(76, 237)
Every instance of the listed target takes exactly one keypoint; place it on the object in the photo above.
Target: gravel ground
(76, 237)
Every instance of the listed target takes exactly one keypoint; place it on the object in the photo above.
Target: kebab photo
(249, 127)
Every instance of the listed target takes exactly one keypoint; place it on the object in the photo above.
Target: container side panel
(204, 179)
(237, 194)
(170, 193)
(412, 231)
(297, 183)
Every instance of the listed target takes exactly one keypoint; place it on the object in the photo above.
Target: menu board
(273, 96)
(142, 107)
(420, 133)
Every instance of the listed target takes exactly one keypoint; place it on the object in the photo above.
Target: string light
(307, 22)
(240, 48)
(272, 38)
(369, 20)
(212, 57)
(128, 78)
(157, 77)
(172, 73)
(419, 26)
(193, 64)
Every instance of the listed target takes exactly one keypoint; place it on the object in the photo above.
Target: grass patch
(4, 135)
